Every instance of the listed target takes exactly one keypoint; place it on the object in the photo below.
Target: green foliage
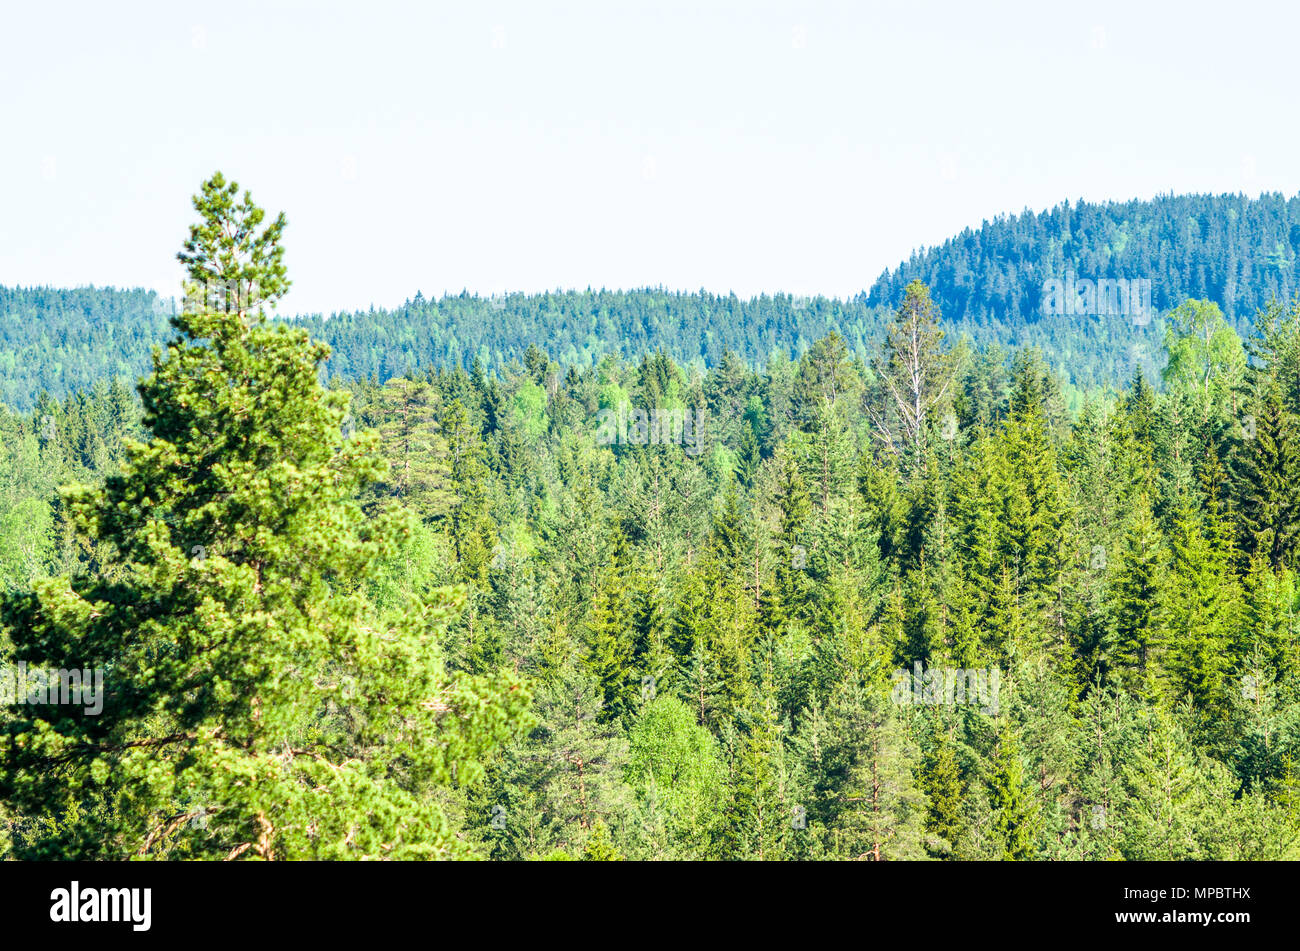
(895, 595)
(256, 704)
(989, 281)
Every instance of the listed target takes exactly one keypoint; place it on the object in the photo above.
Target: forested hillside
(64, 341)
(1236, 251)
(581, 327)
(988, 283)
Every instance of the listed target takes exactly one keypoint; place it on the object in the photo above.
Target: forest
(1236, 251)
(900, 595)
(987, 284)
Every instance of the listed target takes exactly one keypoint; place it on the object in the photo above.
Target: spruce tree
(611, 641)
(1139, 636)
(1203, 610)
(1015, 813)
(944, 788)
(1266, 476)
(1167, 795)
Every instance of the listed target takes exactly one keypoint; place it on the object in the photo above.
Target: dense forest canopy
(64, 341)
(899, 604)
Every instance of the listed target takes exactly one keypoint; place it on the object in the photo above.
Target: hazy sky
(538, 145)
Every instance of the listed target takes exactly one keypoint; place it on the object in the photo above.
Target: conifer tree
(792, 586)
(1108, 737)
(600, 845)
(1135, 654)
(913, 378)
(1267, 475)
(944, 789)
(1270, 624)
(1015, 813)
(473, 531)
(760, 813)
(1035, 504)
(1167, 795)
(883, 809)
(611, 639)
(1203, 611)
(255, 706)
(414, 446)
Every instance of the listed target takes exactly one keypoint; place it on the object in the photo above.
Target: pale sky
(527, 146)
